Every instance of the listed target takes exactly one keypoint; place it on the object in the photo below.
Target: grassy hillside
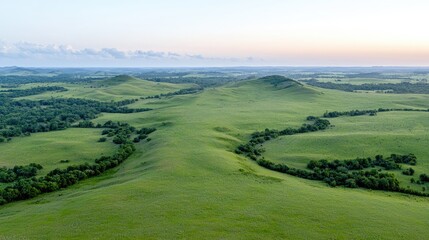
(75, 144)
(188, 184)
(116, 88)
(362, 136)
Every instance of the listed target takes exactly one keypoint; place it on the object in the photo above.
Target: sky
(167, 33)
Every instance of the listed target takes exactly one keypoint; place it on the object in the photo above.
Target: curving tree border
(359, 172)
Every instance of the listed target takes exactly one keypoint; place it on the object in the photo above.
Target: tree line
(121, 132)
(342, 176)
(347, 173)
(14, 93)
(26, 185)
(8, 175)
(24, 117)
(253, 148)
(184, 91)
(209, 78)
(14, 80)
(371, 112)
(400, 88)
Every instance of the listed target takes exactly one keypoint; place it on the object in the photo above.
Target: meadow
(76, 145)
(187, 183)
(361, 136)
(116, 89)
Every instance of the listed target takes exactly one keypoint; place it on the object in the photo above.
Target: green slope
(362, 136)
(116, 88)
(77, 145)
(188, 183)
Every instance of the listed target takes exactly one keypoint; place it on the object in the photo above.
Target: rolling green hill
(187, 183)
(116, 88)
(76, 145)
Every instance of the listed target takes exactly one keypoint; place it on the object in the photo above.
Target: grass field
(188, 184)
(362, 136)
(345, 78)
(75, 144)
(359, 81)
(117, 88)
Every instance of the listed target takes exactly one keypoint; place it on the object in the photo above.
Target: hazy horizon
(214, 33)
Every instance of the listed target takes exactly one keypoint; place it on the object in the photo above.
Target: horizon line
(237, 66)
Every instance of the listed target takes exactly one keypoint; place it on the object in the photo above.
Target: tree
(408, 171)
(351, 183)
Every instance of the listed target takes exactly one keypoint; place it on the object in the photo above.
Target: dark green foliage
(408, 171)
(56, 179)
(355, 164)
(26, 185)
(353, 113)
(180, 92)
(66, 78)
(17, 172)
(347, 173)
(120, 139)
(146, 131)
(253, 148)
(24, 117)
(424, 178)
(85, 124)
(105, 131)
(349, 113)
(209, 79)
(387, 164)
(350, 183)
(142, 136)
(407, 159)
(404, 87)
(14, 93)
(121, 132)
(102, 139)
(340, 176)
(278, 80)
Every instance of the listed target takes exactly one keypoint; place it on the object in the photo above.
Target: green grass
(188, 184)
(383, 78)
(362, 136)
(359, 81)
(116, 89)
(48, 149)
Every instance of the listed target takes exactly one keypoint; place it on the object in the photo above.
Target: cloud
(113, 53)
(25, 53)
(148, 54)
(173, 54)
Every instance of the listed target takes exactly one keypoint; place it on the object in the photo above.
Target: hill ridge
(281, 82)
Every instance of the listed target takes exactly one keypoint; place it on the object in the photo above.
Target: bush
(120, 139)
(424, 178)
(351, 183)
(25, 185)
(408, 171)
(347, 173)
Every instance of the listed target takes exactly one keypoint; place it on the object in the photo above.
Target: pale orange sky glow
(215, 33)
